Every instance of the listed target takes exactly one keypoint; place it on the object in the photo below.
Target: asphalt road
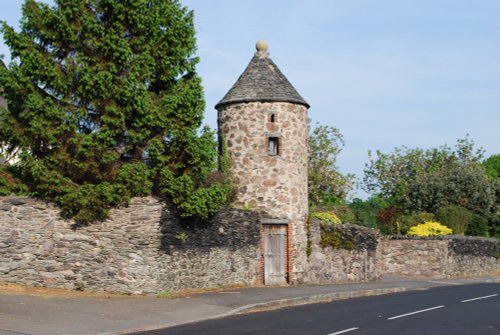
(468, 310)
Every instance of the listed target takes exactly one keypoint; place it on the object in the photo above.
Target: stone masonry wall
(145, 249)
(273, 185)
(472, 256)
(141, 249)
(418, 258)
(328, 265)
(453, 256)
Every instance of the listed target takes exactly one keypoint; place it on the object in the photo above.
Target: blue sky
(387, 73)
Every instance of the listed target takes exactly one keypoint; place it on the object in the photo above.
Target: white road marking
(485, 297)
(416, 312)
(344, 331)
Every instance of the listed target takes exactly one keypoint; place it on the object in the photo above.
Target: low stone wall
(352, 260)
(450, 256)
(472, 256)
(414, 257)
(141, 249)
(145, 249)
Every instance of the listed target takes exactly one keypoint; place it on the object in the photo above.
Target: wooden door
(275, 255)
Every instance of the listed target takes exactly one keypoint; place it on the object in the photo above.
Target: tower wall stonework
(275, 185)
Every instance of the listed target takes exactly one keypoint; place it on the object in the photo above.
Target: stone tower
(263, 122)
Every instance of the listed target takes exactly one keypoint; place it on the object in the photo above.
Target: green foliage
(331, 237)
(309, 245)
(183, 236)
(455, 217)
(430, 228)
(478, 226)
(327, 186)
(79, 286)
(494, 225)
(492, 166)
(205, 201)
(409, 220)
(165, 295)
(426, 180)
(9, 184)
(105, 104)
(365, 212)
(135, 176)
(327, 217)
(201, 192)
(344, 212)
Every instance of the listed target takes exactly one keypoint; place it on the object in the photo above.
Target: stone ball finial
(262, 47)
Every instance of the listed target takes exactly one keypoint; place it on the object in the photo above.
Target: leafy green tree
(426, 180)
(104, 104)
(492, 166)
(455, 217)
(327, 186)
(478, 226)
(365, 211)
(494, 225)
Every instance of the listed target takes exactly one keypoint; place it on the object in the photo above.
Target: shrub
(478, 226)
(328, 217)
(455, 217)
(430, 228)
(409, 220)
(336, 239)
(344, 213)
(494, 225)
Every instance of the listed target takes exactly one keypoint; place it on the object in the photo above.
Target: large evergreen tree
(104, 103)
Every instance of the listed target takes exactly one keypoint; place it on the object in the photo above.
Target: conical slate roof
(262, 81)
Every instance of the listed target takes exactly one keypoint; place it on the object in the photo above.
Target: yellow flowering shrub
(329, 217)
(429, 228)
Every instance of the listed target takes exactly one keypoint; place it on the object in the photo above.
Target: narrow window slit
(274, 148)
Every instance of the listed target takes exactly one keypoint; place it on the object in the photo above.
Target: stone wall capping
(440, 238)
(274, 221)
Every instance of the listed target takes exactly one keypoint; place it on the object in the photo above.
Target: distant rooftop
(262, 81)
